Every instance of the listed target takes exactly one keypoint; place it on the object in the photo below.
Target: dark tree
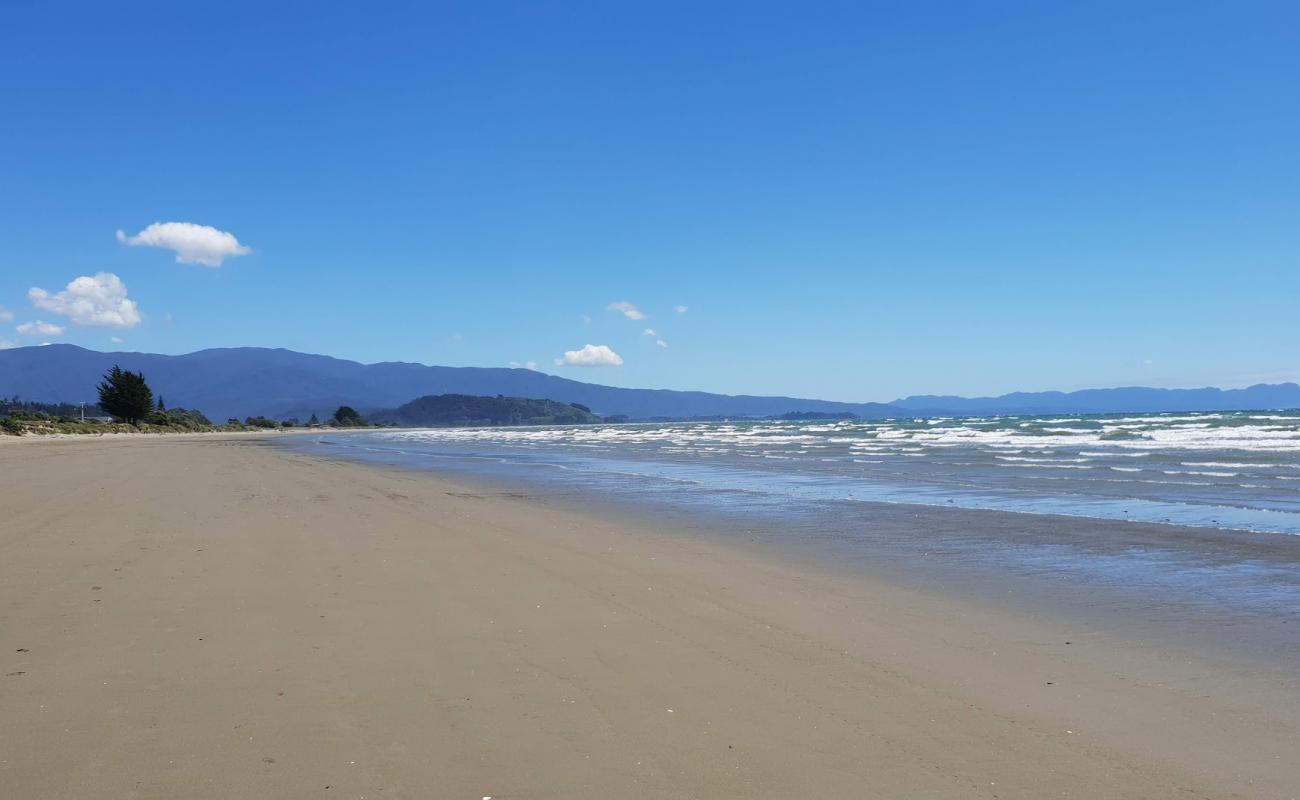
(314, 421)
(162, 404)
(125, 395)
(347, 416)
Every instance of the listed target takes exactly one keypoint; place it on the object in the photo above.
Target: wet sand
(213, 617)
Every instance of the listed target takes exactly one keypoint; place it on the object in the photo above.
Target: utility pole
(83, 412)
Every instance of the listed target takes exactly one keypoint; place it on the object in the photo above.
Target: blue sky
(852, 200)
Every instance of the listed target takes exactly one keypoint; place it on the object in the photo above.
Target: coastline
(207, 616)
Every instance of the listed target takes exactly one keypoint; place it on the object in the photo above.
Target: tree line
(126, 396)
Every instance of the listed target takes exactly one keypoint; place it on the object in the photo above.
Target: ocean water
(1183, 524)
(1231, 471)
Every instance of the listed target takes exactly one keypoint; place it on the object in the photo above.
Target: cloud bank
(592, 355)
(92, 301)
(193, 244)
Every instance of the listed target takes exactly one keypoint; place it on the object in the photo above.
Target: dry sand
(211, 617)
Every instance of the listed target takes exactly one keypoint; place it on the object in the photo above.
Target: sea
(1197, 508)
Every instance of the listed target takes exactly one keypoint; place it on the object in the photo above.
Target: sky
(852, 201)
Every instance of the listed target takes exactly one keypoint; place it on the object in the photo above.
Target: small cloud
(39, 328)
(93, 301)
(458, 338)
(5, 344)
(1146, 362)
(661, 343)
(116, 339)
(649, 332)
(526, 365)
(6, 315)
(592, 355)
(167, 317)
(680, 309)
(626, 309)
(586, 319)
(193, 244)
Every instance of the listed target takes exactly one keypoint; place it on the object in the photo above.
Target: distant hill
(461, 410)
(1108, 401)
(248, 381)
(812, 416)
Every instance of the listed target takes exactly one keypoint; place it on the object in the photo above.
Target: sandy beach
(213, 617)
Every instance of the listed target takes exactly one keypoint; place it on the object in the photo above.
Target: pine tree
(125, 395)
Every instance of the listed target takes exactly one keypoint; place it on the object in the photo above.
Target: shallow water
(1223, 470)
(1125, 527)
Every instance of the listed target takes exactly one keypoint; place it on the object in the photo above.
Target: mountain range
(248, 381)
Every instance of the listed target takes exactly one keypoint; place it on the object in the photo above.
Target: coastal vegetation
(127, 405)
(347, 417)
(462, 410)
(126, 396)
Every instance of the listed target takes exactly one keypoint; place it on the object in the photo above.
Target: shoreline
(213, 616)
(1197, 587)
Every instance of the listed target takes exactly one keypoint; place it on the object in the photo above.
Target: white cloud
(649, 332)
(586, 319)
(39, 328)
(193, 244)
(680, 309)
(592, 355)
(626, 309)
(6, 315)
(97, 301)
(5, 344)
(661, 343)
(526, 365)
(116, 339)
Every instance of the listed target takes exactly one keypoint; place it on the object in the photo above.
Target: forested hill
(462, 410)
